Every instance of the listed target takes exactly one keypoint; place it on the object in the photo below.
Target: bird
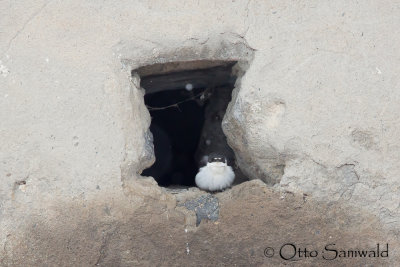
(216, 175)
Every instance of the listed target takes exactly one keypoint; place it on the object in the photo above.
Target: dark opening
(187, 102)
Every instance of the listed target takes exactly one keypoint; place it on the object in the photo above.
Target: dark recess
(184, 121)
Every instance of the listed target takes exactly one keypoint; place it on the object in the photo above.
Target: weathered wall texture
(315, 116)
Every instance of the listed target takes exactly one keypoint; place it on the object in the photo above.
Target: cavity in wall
(187, 102)
(195, 78)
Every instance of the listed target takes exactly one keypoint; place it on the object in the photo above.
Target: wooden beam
(203, 78)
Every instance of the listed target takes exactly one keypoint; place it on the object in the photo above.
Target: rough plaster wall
(320, 101)
(334, 70)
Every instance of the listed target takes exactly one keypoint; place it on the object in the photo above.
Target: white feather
(215, 176)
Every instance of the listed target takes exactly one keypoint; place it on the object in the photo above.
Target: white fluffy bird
(216, 175)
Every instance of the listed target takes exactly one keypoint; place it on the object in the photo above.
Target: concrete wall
(315, 116)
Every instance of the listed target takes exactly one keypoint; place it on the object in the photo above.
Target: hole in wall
(187, 102)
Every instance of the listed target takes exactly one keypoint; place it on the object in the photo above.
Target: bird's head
(214, 157)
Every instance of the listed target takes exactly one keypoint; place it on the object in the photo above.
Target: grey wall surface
(315, 114)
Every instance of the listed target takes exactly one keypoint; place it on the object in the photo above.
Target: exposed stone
(205, 207)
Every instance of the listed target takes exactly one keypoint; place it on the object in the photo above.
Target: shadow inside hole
(187, 108)
(176, 134)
